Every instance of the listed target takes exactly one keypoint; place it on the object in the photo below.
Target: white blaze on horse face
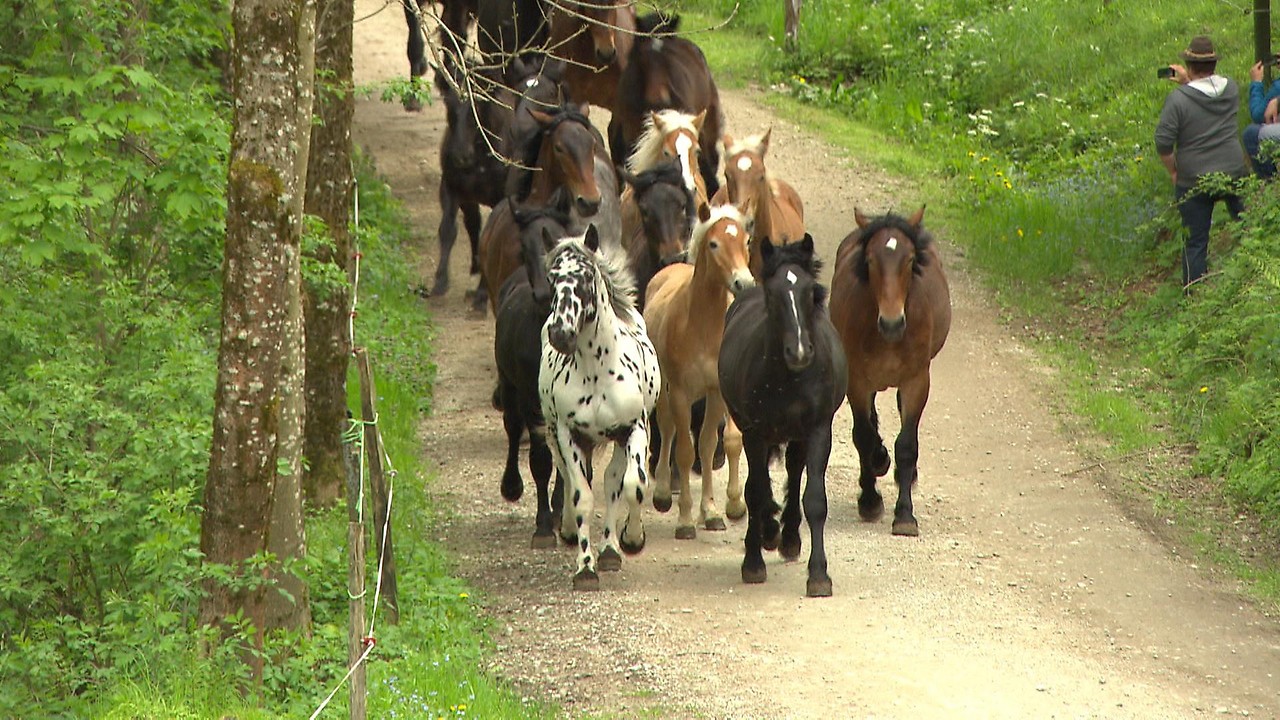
(744, 163)
(731, 230)
(684, 149)
(891, 244)
(795, 313)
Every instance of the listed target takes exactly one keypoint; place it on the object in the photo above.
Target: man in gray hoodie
(1196, 136)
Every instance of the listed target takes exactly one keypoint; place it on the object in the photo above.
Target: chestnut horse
(668, 135)
(594, 37)
(684, 311)
(772, 204)
(892, 308)
(783, 376)
(665, 72)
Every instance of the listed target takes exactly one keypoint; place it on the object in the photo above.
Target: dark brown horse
(594, 37)
(665, 72)
(892, 308)
(658, 214)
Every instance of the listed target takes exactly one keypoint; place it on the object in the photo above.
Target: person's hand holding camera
(1255, 72)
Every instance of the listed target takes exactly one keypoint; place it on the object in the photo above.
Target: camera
(1272, 61)
(1164, 73)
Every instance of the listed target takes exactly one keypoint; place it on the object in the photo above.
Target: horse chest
(599, 390)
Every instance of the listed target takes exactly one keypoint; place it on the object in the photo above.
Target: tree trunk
(792, 27)
(252, 499)
(329, 196)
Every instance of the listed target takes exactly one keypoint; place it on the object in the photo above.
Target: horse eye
(714, 245)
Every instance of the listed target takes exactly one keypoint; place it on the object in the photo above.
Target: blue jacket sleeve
(1258, 100)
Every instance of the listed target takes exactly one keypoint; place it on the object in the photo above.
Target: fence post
(355, 589)
(382, 546)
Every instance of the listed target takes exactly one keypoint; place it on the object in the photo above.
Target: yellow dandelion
(1008, 185)
(464, 596)
(1204, 388)
(984, 158)
(1020, 232)
(972, 154)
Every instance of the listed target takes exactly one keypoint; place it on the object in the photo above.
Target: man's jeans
(1197, 217)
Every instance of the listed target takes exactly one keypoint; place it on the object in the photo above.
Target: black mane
(918, 236)
(791, 254)
(657, 24)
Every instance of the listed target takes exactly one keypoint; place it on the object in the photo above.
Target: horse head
(566, 156)
(666, 207)
(793, 297)
(745, 176)
(890, 253)
(572, 275)
(539, 229)
(721, 244)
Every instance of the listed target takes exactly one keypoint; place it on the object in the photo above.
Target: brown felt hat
(1200, 50)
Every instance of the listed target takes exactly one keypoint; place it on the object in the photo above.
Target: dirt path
(1029, 594)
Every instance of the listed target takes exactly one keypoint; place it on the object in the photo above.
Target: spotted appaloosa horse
(892, 308)
(783, 375)
(684, 308)
(773, 205)
(598, 382)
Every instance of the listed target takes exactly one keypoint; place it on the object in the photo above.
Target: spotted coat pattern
(598, 382)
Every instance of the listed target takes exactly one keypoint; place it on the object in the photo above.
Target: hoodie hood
(1212, 91)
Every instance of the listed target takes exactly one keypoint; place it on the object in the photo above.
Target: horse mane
(791, 254)
(620, 284)
(891, 221)
(657, 23)
(718, 213)
(533, 145)
(556, 210)
(647, 153)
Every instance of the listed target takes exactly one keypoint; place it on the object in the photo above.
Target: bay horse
(772, 204)
(665, 72)
(594, 37)
(658, 215)
(598, 380)
(892, 308)
(783, 375)
(684, 310)
(565, 154)
(524, 302)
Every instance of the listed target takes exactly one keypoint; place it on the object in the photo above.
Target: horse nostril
(893, 329)
(588, 207)
(606, 54)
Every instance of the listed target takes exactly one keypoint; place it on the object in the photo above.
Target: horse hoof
(735, 510)
(512, 488)
(871, 508)
(686, 532)
(714, 524)
(609, 560)
(543, 542)
(631, 548)
(586, 581)
(818, 587)
(906, 528)
(790, 549)
(880, 461)
(661, 504)
(755, 575)
(571, 540)
(772, 536)
(440, 289)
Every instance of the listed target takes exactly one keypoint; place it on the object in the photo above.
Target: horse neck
(602, 331)
(763, 212)
(546, 176)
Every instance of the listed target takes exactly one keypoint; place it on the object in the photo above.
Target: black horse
(455, 16)
(658, 216)
(783, 376)
(524, 303)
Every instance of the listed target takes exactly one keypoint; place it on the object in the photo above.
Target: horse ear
(764, 141)
(592, 240)
(584, 109)
(861, 219)
(918, 218)
(767, 249)
(655, 119)
(699, 119)
(806, 245)
(543, 119)
(704, 212)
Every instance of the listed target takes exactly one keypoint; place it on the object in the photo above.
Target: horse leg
(912, 396)
(544, 536)
(417, 54)
(866, 438)
(513, 423)
(683, 441)
(707, 511)
(759, 502)
(815, 510)
(734, 507)
(797, 452)
(634, 485)
(471, 222)
(579, 506)
(699, 411)
(666, 429)
(610, 559)
(560, 496)
(880, 457)
(480, 296)
(448, 234)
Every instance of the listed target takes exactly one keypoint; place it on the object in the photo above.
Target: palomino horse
(594, 37)
(523, 305)
(565, 155)
(658, 214)
(783, 376)
(598, 381)
(772, 204)
(668, 73)
(892, 308)
(685, 311)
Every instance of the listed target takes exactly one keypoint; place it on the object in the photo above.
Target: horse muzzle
(797, 358)
(605, 55)
(742, 279)
(892, 329)
(564, 341)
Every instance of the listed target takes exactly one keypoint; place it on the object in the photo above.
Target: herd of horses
(629, 284)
